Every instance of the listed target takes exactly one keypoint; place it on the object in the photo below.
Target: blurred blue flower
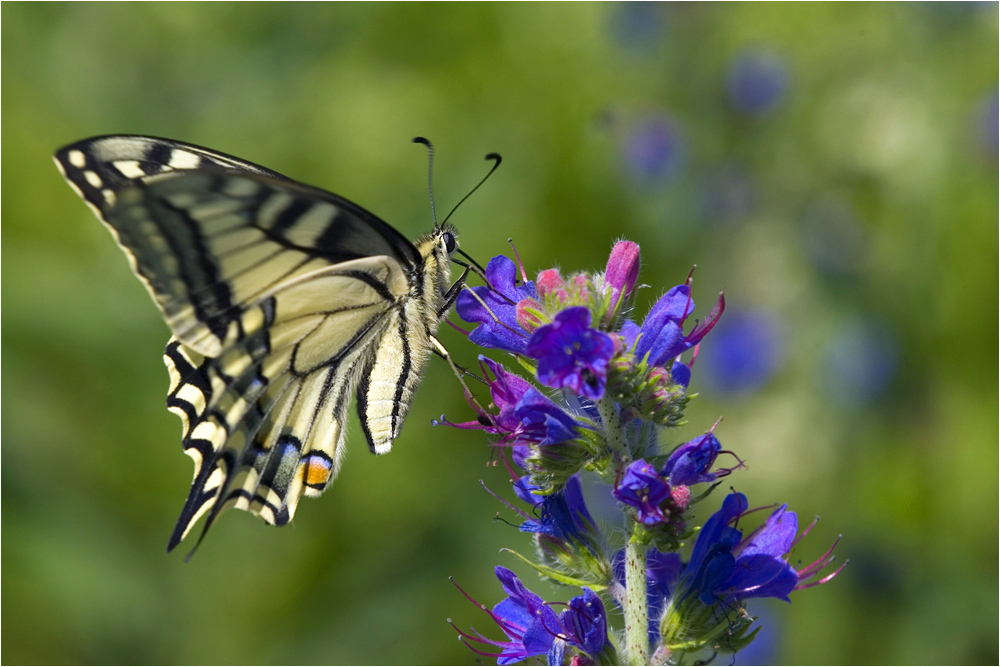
(728, 195)
(654, 150)
(571, 354)
(638, 25)
(861, 361)
(764, 649)
(745, 352)
(832, 238)
(757, 82)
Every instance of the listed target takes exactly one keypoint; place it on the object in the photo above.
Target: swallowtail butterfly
(283, 300)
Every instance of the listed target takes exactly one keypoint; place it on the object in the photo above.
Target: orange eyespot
(318, 471)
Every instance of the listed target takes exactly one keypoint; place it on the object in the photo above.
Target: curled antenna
(430, 172)
(497, 159)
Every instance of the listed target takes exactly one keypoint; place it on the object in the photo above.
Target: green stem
(613, 432)
(636, 605)
(636, 609)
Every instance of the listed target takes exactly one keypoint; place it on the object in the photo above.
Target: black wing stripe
(404, 375)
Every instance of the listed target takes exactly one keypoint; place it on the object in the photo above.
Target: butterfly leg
(452, 294)
(459, 372)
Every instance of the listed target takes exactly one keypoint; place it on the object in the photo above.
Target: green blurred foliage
(885, 113)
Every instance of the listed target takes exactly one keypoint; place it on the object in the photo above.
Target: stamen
(820, 562)
(806, 531)
(457, 328)
(507, 504)
(824, 579)
(524, 276)
(701, 330)
(690, 278)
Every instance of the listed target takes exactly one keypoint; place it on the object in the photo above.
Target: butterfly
(283, 301)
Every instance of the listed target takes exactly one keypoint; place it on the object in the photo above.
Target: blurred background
(832, 166)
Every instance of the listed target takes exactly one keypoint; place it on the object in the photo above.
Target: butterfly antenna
(430, 172)
(497, 159)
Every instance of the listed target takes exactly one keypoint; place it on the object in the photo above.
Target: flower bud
(623, 270)
(548, 281)
(530, 314)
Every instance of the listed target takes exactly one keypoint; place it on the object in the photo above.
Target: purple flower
(661, 335)
(622, 271)
(495, 309)
(690, 463)
(642, 488)
(757, 82)
(726, 567)
(572, 354)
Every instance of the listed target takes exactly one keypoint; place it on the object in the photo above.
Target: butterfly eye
(449, 242)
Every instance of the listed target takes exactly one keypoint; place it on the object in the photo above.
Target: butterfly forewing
(282, 300)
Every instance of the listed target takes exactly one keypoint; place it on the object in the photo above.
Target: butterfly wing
(264, 422)
(206, 240)
(279, 296)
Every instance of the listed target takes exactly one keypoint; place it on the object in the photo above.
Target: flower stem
(636, 608)
(613, 432)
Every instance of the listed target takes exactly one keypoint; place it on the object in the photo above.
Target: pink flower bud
(681, 495)
(529, 313)
(548, 281)
(623, 269)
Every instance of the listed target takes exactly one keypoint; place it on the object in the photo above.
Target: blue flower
(661, 335)
(562, 515)
(726, 567)
(572, 354)
(506, 390)
(745, 353)
(533, 629)
(542, 421)
(642, 488)
(495, 309)
(523, 616)
(690, 463)
(585, 623)
(654, 150)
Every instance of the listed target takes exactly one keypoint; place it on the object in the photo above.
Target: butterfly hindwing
(284, 302)
(265, 420)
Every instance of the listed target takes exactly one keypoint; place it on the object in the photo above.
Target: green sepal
(552, 573)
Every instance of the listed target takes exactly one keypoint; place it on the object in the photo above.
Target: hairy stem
(613, 432)
(636, 609)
